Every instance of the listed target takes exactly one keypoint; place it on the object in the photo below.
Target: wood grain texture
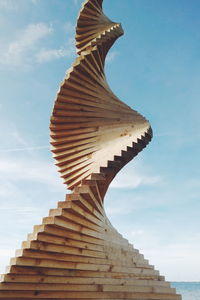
(76, 253)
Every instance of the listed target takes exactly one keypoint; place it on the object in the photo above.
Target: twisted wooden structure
(76, 253)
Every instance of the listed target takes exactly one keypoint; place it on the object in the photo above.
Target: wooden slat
(76, 253)
(89, 295)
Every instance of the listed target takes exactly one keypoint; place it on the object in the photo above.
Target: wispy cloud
(28, 48)
(19, 51)
(171, 257)
(30, 167)
(134, 176)
(35, 170)
(29, 187)
(127, 182)
(45, 55)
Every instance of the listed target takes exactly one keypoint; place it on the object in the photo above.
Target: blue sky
(154, 68)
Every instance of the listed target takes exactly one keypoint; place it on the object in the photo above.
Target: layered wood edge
(76, 253)
(89, 124)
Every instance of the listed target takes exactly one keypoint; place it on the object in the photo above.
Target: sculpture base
(77, 254)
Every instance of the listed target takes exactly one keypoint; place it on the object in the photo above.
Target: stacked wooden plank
(89, 124)
(76, 253)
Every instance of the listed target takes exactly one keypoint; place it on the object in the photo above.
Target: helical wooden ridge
(76, 253)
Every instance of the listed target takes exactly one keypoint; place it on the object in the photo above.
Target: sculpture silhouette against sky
(76, 253)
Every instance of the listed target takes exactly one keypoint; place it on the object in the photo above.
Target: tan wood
(76, 253)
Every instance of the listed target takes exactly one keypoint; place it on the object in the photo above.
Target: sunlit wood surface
(76, 253)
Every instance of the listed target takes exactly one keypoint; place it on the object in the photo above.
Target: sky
(155, 69)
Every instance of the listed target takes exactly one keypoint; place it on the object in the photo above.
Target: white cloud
(133, 176)
(15, 141)
(29, 187)
(18, 52)
(177, 259)
(45, 55)
(26, 49)
(35, 170)
(30, 167)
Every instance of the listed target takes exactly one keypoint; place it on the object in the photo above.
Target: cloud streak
(181, 252)
(46, 55)
(29, 46)
(133, 176)
(17, 52)
(35, 170)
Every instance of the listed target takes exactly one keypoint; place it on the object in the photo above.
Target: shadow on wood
(76, 253)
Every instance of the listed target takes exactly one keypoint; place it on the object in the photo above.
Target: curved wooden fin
(76, 253)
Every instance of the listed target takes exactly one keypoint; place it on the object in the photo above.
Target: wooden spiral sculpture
(76, 253)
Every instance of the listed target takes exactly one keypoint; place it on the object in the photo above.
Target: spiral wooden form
(76, 253)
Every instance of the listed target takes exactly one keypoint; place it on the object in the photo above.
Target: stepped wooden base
(77, 254)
